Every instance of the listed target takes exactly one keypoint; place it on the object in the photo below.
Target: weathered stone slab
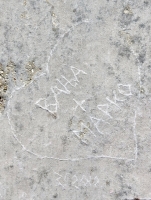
(75, 100)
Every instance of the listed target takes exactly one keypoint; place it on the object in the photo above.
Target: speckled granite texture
(75, 99)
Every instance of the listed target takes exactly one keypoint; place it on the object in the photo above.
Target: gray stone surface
(75, 99)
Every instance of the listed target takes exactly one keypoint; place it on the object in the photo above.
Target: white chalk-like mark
(16, 89)
(42, 103)
(47, 144)
(60, 39)
(113, 102)
(79, 136)
(66, 177)
(111, 157)
(55, 97)
(10, 123)
(85, 181)
(66, 91)
(76, 72)
(124, 89)
(58, 180)
(104, 108)
(96, 181)
(117, 99)
(80, 133)
(79, 104)
(70, 82)
(47, 68)
(51, 157)
(83, 126)
(78, 159)
(56, 91)
(139, 69)
(66, 159)
(55, 21)
(96, 122)
(75, 181)
(8, 114)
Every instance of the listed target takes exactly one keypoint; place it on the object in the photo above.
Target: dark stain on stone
(19, 126)
(79, 19)
(99, 18)
(135, 20)
(142, 26)
(136, 39)
(146, 3)
(124, 51)
(33, 4)
(141, 57)
(110, 70)
(55, 195)
(94, 151)
(93, 169)
(108, 183)
(79, 14)
(142, 90)
(56, 31)
(126, 17)
(18, 106)
(42, 175)
(64, 139)
(53, 115)
(41, 128)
